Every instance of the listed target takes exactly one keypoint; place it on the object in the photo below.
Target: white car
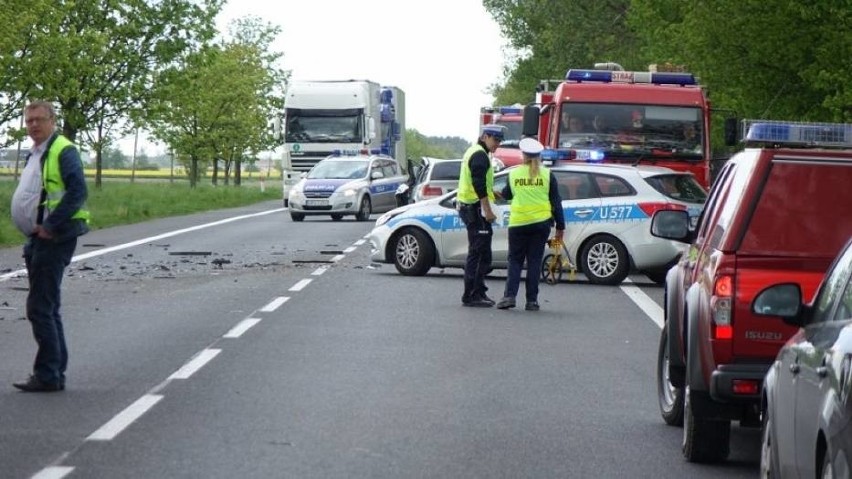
(347, 185)
(608, 210)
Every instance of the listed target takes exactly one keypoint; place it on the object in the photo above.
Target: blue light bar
(799, 133)
(510, 110)
(549, 154)
(610, 76)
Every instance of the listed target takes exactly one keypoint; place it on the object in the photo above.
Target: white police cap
(493, 129)
(530, 146)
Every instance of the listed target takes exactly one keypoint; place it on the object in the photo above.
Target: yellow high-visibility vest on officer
(535, 207)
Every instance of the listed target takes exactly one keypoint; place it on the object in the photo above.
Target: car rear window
(678, 187)
(803, 210)
(446, 170)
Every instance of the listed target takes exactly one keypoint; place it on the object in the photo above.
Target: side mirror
(275, 125)
(371, 129)
(784, 300)
(672, 224)
(530, 125)
(731, 131)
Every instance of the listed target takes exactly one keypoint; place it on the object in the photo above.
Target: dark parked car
(807, 408)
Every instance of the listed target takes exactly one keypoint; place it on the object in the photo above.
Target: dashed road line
(125, 418)
(241, 328)
(645, 303)
(196, 363)
(319, 271)
(274, 304)
(300, 285)
(53, 472)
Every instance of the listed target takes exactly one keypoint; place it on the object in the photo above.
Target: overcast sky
(444, 54)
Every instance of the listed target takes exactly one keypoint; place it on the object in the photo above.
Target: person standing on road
(475, 200)
(535, 206)
(48, 208)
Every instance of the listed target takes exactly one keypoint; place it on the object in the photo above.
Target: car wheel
(297, 216)
(413, 252)
(768, 455)
(704, 440)
(364, 210)
(669, 396)
(336, 217)
(551, 274)
(604, 260)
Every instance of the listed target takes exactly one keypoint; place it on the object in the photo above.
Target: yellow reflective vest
(530, 196)
(51, 178)
(466, 194)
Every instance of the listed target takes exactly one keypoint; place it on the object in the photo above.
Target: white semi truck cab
(322, 118)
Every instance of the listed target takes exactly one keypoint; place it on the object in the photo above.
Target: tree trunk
(193, 170)
(215, 179)
(238, 172)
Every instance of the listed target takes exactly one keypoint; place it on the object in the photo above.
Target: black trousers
(478, 262)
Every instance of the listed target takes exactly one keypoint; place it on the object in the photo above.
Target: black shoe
(478, 303)
(532, 306)
(506, 303)
(35, 385)
(486, 298)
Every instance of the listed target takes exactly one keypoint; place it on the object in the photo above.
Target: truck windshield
(324, 126)
(339, 170)
(512, 134)
(631, 130)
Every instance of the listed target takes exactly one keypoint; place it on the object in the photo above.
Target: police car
(607, 208)
(347, 184)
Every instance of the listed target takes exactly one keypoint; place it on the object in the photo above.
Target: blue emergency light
(353, 152)
(616, 76)
(510, 110)
(799, 133)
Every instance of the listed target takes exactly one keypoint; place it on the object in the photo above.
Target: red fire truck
(611, 115)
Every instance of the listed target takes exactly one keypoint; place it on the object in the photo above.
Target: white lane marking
(274, 304)
(241, 328)
(300, 285)
(319, 271)
(195, 364)
(350, 249)
(337, 258)
(125, 418)
(92, 254)
(360, 242)
(53, 472)
(645, 303)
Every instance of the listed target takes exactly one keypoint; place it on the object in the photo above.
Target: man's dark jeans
(478, 262)
(46, 261)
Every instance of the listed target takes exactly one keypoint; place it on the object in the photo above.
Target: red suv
(779, 211)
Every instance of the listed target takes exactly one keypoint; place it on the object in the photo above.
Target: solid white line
(350, 249)
(195, 364)
(53, 472)
(337, 258)
(241, 328)
(360, 242)
(274, 304)
(300, 285)
(319, 271)
(125, 418)
(645, 303)
(92, 254)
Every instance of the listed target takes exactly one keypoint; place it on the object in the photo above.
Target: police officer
(475, 199)
(535, 206)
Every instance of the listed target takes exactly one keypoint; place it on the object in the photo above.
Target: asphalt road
(261, 348)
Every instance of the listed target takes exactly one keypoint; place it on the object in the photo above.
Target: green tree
(96, 59)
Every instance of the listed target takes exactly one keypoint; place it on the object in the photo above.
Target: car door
(813, 356)
(382, 190)
(581, 203)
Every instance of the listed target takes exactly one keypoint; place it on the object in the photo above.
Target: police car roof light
(610, 76)
(798, 133)
(510, 110)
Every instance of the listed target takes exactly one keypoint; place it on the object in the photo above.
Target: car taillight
(652, 207)
(745, 386)
(429, 190)
(720, 307)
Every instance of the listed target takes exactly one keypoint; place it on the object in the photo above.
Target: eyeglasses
(37, 120)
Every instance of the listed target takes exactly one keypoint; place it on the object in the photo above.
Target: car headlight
(385, 218)
(349, 192)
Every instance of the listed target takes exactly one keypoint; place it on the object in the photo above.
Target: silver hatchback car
(607, 211)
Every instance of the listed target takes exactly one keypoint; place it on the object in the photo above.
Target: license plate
(316, 202)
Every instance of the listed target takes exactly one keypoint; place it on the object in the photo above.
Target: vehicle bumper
(722, 380)
(656, 253)
(344, 206)
(378, 239)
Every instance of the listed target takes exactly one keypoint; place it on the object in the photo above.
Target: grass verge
(119, 202)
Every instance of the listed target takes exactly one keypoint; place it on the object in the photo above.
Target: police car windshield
(339, 169)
